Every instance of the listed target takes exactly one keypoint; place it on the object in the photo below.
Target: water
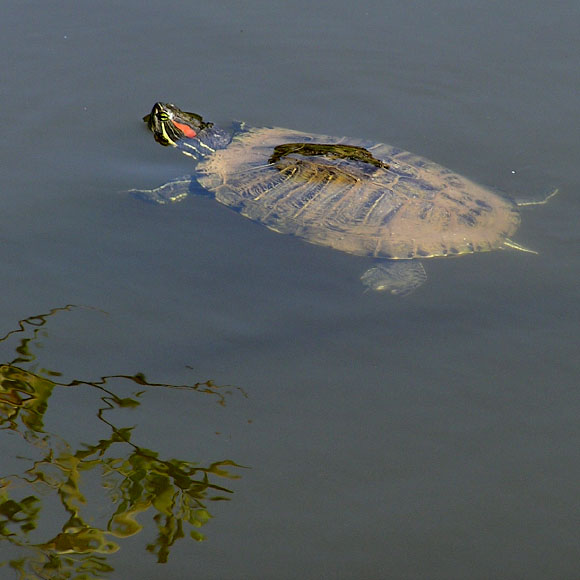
(433, 436)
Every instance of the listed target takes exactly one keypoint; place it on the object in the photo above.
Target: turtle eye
(163, 116)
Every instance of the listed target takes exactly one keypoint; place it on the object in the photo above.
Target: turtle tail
(511, 244)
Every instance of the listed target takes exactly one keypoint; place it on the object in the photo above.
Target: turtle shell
(392, 204)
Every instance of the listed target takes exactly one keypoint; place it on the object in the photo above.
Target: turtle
(352, 195)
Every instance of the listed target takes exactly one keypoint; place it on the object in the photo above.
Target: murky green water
(228, 401)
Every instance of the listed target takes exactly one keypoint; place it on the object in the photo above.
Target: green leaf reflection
(138, 484)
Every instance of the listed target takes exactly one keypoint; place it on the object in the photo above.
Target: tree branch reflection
(135, 481)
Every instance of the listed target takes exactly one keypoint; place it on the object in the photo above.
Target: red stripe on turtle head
(185, 129)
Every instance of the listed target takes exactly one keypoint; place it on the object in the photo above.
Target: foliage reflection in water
(135, 480)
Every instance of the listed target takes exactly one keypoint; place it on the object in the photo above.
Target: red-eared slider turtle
(352, 195)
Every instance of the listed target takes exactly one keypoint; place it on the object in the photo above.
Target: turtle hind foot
(547, 198)
(398, 277)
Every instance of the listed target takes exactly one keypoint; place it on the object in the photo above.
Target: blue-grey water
(434, 436)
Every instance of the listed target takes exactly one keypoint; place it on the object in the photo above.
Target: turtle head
(170, 125)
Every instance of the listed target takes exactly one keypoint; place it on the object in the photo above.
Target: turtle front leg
(399, 277)
(172, 192)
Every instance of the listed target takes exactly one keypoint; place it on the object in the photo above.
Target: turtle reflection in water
(356, 196)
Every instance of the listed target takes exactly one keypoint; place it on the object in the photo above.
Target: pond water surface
(222, 402)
